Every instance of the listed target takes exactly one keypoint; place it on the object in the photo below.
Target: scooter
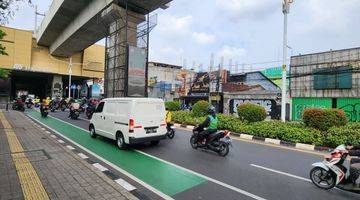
(170, 132)
(333, 172)
(220, 141)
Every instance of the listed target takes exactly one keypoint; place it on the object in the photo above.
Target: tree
(7, 10)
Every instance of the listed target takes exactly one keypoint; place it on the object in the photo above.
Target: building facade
(168, 82)
(326, 80)
(35, 71)
(252, 87)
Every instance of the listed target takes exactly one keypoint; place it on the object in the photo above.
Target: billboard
(136, 72)
(200, 83)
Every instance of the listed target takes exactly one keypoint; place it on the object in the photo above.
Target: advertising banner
(137, 72)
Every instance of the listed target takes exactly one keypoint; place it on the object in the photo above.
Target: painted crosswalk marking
(100, 167)
(125, 184)
(83, 156)
(70, 147)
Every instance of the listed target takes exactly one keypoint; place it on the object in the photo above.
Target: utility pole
(70, 72)
(209, 74)
(36, 19)
(285, 10)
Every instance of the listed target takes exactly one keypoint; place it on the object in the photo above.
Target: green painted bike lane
(166, 178)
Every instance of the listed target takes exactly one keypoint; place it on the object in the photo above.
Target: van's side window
(100, 107)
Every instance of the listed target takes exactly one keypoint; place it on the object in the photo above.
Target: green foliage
(4, 73)
(2, 48)
(173, 105)
(251, 112)
(200, 108)
(340, 135)
(323, 119)
(290, 131)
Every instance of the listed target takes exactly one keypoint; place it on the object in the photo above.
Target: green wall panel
(351, 106)
(300, 104)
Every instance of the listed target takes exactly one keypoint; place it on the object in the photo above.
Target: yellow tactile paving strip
(30, 182)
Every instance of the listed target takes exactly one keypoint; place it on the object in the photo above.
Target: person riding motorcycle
(74, 106)
(47, 101)
(211, 123)
(168, 119)
(354, 162)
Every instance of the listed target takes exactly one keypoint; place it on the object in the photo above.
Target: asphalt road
(250, 169)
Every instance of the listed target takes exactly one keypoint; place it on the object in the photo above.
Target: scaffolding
(125, 28)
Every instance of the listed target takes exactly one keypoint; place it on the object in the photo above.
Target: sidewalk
(34, 165)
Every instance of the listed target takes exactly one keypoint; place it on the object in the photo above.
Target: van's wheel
(120, 143)
(92, 132)
(156, 142)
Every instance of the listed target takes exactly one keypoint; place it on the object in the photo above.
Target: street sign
(79, 87)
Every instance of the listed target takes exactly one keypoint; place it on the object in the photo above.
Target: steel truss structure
(125, 28)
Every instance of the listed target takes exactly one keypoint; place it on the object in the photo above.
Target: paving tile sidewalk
(64, 174)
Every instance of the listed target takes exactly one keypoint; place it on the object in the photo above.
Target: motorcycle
(18, 105)
(74, 114)
(63, 104)
(44, 111)
(90, 109)
(333, 172)
(29, 103)
(220, 141)
(170, 132)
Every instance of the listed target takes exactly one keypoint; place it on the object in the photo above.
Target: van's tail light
(132, 125)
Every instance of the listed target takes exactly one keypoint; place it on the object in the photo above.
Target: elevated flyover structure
(71, 26)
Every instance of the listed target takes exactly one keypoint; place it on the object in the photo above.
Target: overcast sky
(246, 31)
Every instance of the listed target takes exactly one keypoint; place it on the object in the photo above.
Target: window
(100, 107)
(333, 78)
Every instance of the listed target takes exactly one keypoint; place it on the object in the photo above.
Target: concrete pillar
(56, 86)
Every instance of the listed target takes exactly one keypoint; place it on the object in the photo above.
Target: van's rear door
(149, 114)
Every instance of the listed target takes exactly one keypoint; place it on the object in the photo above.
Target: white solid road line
(185, 169)
(280, 172)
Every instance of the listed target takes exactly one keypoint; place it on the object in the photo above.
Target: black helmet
(211, 110)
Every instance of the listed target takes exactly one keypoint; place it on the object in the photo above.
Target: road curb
(273, 141)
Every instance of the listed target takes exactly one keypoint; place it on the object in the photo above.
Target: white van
(129, 120)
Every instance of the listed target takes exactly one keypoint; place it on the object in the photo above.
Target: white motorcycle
(333, 172)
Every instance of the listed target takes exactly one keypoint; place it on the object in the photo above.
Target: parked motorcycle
(18, 105)
(333, 172)
(220, 141)
(170, 132)
(44, 111)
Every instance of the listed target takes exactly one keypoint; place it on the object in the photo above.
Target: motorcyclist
(354, 162)
(47, 101)
(211, 123)
(168, 119)
(73, 106)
